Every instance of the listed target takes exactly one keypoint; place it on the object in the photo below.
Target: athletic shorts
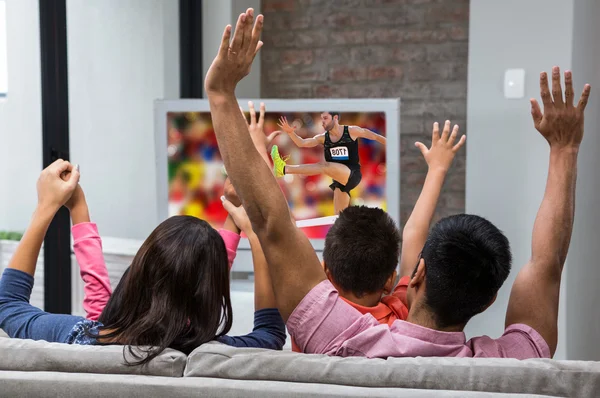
(353, 181)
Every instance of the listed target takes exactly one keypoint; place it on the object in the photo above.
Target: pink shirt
(87, 246)
(323, 323)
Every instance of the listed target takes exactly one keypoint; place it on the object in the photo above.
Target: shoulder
(354, 131)
(321, 137)
(518, 341)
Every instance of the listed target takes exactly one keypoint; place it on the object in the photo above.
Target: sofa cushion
(83, 385)
(534, 376)
(30, 355)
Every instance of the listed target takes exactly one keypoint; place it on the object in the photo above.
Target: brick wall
(413, 49)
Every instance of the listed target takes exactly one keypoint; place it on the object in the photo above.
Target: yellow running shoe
(278, 162)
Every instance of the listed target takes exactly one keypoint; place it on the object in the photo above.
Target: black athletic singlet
(344, 151)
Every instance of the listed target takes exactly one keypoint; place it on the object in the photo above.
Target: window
(3, 56)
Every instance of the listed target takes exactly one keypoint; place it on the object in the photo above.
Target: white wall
(3, 66)
(215, 16)
(123, 54)
(583, 268)
(21, 116)
(507, 159)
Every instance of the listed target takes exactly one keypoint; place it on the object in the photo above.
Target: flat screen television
(190, 168)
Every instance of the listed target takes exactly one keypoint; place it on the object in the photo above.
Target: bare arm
(299, 141)
(26, 255)
(439, 159)
(263, 288)
(359, 132)
(535, 294)
(293, 264)
(53, 192)
(307, 142)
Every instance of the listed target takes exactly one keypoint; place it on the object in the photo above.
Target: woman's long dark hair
(175, 293)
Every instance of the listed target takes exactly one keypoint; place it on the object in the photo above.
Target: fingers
(544, 90)
(60, 166)
(460, 143)
(73, 178)
(258, 46)
(569, 94)
(255, 42)
(224, 48)
(247, 32)
(283, 123)
(252, 113)
(435, 135)
(238, 35)
(446, 131)
(227, 205)
(422, 147)
(585, 95)
(453, 135)
(261, 117)
(556, 88)
(536, 112)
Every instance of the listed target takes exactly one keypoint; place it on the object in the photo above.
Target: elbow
(408, 232)
(268, 230)
(551, 267)
(271, 225)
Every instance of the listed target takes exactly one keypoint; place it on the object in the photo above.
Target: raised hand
(230, 193)
(443, 149)
(77, 199)
(234, 59)
(53, 191)
(239, 216)
(285, 126)
(561, 124)
(256, 128)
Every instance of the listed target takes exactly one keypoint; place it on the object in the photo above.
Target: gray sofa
(40, 369)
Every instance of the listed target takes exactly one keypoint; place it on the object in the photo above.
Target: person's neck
(337, 130)
(367, 300)
(419, 315)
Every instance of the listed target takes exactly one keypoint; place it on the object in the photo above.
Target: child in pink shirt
(87, 246)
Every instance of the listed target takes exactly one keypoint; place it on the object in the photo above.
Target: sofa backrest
(537, 376)
(30, 355)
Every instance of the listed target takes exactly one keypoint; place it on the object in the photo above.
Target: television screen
(196, 174)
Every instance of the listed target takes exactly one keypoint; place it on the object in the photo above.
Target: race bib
(339, 153)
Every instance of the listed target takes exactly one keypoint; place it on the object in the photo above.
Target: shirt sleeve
(400, 290)
(19, 319)
(232, 241)
(87, 247)
(518, 341)
(268, 332)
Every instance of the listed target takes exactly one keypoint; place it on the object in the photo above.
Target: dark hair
(175, 293)
(333, 113)
(467, 259)
(361, 249)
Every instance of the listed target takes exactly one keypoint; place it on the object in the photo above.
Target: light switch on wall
(514, 83)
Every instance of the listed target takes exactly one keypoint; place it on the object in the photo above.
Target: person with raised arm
(464, 261)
